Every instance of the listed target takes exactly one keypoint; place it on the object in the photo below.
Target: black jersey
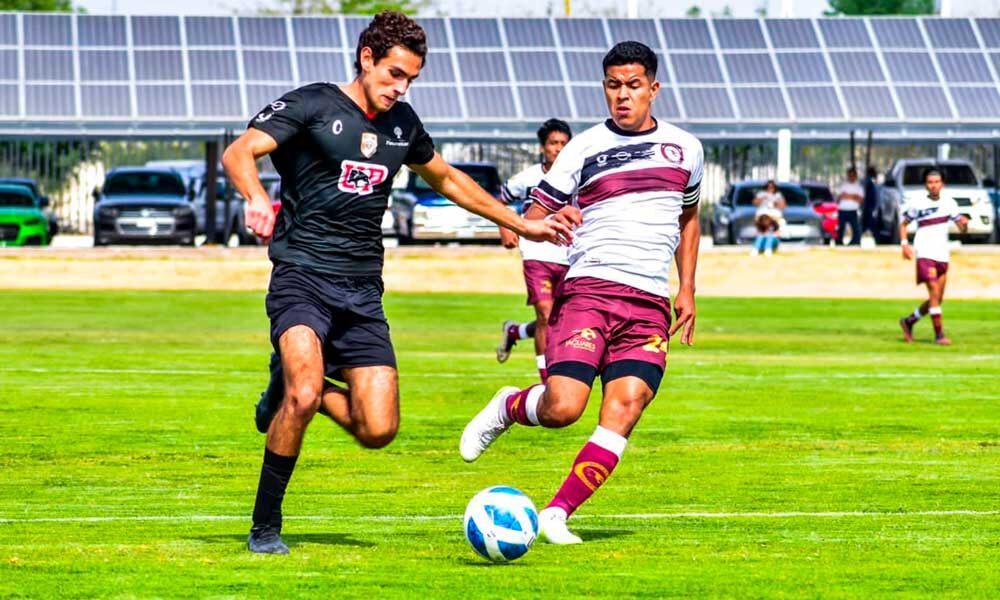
(336, 168)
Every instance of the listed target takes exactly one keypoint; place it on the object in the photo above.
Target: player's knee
(560, 410)
(377, 435)
(623, 411)
(302, 400)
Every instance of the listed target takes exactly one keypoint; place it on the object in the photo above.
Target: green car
(22, 222)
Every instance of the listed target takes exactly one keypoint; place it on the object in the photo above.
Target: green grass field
(800, 449)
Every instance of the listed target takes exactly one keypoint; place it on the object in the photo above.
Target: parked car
(420, 213)
(40, 199)
(143, 205)
(905, 180)
(733, 218)
(821, 198)
(22, 222)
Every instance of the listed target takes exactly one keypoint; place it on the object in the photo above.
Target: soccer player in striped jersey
(630, 186)
(932, 214)
(544, 264)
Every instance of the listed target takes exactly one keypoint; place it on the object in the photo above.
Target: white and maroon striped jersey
(631, 188)
(933, 218)
(517, 188)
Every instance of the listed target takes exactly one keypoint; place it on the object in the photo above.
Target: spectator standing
(850, 195)
(871, 201)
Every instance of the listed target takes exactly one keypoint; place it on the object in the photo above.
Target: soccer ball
(501, 523)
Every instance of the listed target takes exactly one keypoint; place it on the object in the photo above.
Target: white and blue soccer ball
(501, 523)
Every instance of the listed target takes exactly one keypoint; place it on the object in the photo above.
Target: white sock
(917, 314)
(935, 310)
(540, 361)
(531, 403)
(609, 440)
(522, 331)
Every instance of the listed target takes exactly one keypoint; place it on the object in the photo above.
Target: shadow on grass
(294, 539)
(596, 535)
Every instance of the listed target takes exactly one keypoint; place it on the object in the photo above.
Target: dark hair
(769, 183)
(933, 171)
(551, 126)
(852, 171)
(871, 172)
(387, 29)
(632, 53)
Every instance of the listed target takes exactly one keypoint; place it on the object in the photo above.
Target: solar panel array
(152, 69)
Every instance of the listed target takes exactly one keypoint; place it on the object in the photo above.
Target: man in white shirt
(544, 264)
(850, 195)
(631, 186)
(932, 214)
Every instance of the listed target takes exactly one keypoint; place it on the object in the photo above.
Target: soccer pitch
(800, 449)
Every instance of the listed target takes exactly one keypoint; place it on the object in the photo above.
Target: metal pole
(211, 174)
(853, 165)
(868, 151)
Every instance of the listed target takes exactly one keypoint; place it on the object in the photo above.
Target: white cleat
(552, 527)
(486, 426)
(505, 345)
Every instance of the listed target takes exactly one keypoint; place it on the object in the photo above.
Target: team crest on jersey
(369, 144)
(360, 178)
(672, 152)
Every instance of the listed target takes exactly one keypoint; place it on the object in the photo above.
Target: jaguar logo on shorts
(360, 178)
(672, 152)
(583, 339)
(656, 344)
(369, 144)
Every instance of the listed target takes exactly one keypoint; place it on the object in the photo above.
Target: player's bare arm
(240, 163)
(687, 261)
(904, 241)
(962, 222)
(465, 192)
(570, 216)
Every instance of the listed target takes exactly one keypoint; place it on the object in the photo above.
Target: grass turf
(785, 415)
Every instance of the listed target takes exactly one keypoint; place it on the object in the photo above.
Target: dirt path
(806, 272)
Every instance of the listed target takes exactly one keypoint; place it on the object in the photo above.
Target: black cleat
(270, 398)
(265, 539)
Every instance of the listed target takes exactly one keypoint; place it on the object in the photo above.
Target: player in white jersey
(932, 214)
(544, 264)
(630, 186)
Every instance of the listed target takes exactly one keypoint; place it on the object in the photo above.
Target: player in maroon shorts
(631, 186)
(932, 214)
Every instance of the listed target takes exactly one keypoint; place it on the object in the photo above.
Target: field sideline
(800, 449)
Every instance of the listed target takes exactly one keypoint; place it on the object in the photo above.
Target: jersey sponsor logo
(276, 106)
(591, 473)
(399, 141)
(338, 126)
(369, 144)
(361, 178)
(398, 132)
(656, 344)
(672, 152)
(583, 339)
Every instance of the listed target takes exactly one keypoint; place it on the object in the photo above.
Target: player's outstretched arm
(903, 239)
(687, 261)
(240, 162)
(465, 192)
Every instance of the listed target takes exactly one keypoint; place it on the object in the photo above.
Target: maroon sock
(517, 405)
(592, 467)
(938, 329)
(544, 374)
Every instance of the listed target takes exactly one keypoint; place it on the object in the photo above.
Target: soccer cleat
(486, 426)
(552, 527)
(942, 340)
(907, 329)
(508, 340)
(270, 398)
(265, 539)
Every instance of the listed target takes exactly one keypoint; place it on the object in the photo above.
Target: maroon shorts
(600, 322)
(929, 270)
(543, 280)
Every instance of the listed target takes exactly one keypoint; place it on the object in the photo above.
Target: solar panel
(162, 101)
(353, 26)
(582, 33)
(803, 67)
(475, 33)
(696, 68)
(259, 96)
(48, 65)
(624, 30)
(792, 33)
(8, 29)
(437, 34)
(528, 33)
(100, 31)
(976, 102)
(950, 33)
(436, 102)
(482, 66)
(323, 66)
(8, 64)
(437, 69)
(869, 102)
(739, 34)
(47, 30)
(590, 103)
(104, 65)
(897, 33)
(761, 103)
(219, 65)
(995, 56)
(857, 66)
(989, 29)
(310, 32)
(156, 31)
(105, 101)
(535, 66)
(844, 33)
(49, 100)
(209, 31)
(262, 65)
(923, 102)
(218, 100)
(686, 34)
(263, 31)
(584, 66)
(964, 67)
(911, 67)
(158, 65)
(818, 102)
(489, 102)
(665, 106)
(9, 100)
(543, 102)
(750, 68)
(706, 103)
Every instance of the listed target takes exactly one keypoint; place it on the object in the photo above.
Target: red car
(823, 203)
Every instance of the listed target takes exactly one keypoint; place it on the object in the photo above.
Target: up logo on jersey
(360, 178)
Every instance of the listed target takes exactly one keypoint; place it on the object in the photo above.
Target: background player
(933, 214)
(544, 264)
(337, 149)
(631, 184)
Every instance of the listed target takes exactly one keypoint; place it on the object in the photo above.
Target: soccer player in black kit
(337, 149)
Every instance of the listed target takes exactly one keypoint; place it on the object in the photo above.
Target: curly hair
(553, 125)
(390, 28)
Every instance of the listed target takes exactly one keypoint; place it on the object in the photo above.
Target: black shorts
(345, 312)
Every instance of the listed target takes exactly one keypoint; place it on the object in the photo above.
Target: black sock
(274, 476)
(530, 329)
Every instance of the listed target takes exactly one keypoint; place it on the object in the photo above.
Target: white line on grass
(418, 518)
